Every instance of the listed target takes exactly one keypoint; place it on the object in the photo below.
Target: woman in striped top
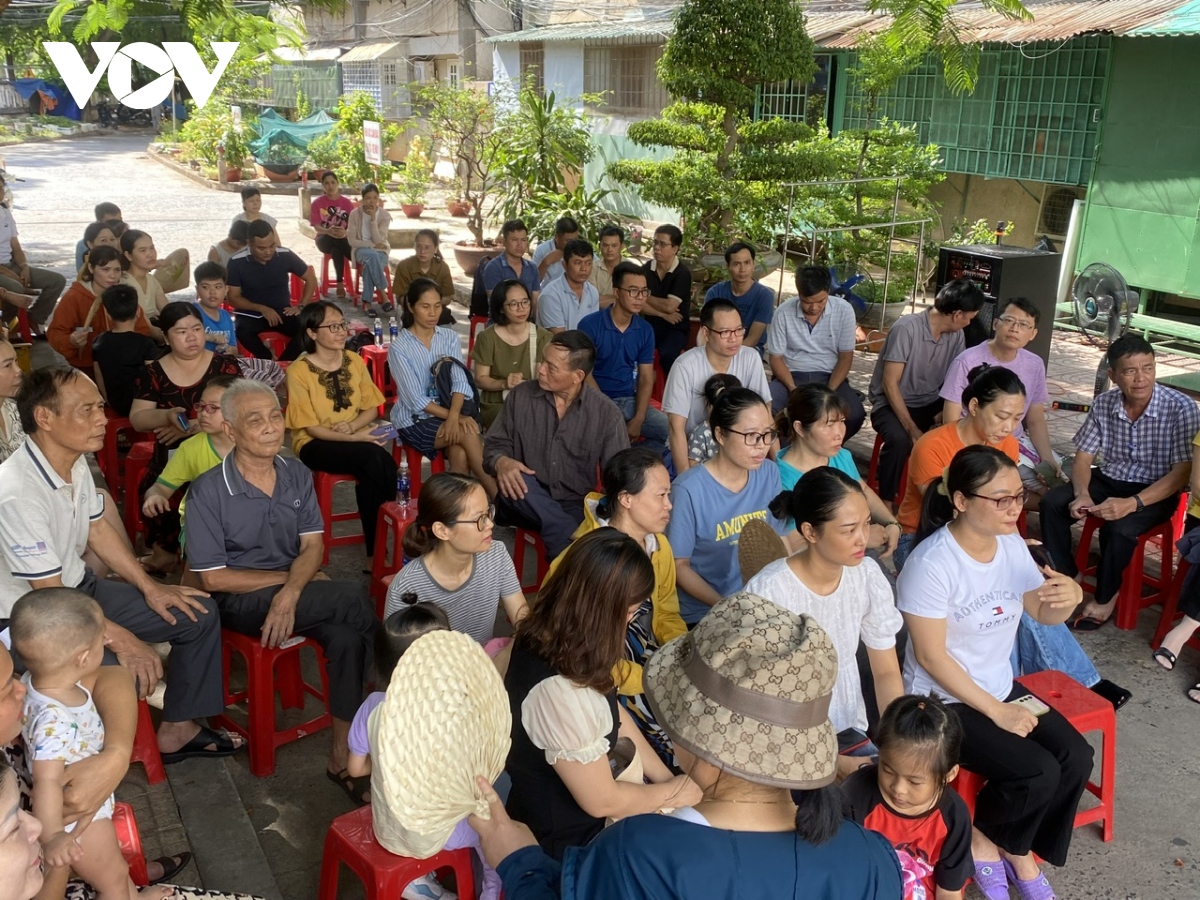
(421, 420)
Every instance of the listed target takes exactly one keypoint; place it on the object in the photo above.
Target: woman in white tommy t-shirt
(962, 593)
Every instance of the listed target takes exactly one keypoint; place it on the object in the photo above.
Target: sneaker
(427, 888)
(341, 291)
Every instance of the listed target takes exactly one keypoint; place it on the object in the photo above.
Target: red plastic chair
(130, 842)
(351, 840)
(1170, 609)
(1086, 711)
(136, 464)
(1130, 600)
(523, 540)
(388, 556)
(416, 460)
(375, 357)
(477, 322)
(660, 381)
(268, 672)
(329, 282)
(323, 484)
(873, 468)
(145, 746)
(109, 458)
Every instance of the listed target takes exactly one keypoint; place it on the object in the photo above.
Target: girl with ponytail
(454, 561)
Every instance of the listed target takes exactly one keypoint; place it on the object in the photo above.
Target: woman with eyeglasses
(714, 500)
(454, 561)
(332, 410)
(509, 350)
(968, 581)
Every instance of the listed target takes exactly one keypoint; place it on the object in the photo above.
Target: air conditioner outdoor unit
(1054, 214)
(422, 71)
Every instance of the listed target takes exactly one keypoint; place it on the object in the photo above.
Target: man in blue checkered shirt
(1143, 431)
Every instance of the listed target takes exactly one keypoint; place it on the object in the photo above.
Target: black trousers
(193, 671)
(897, 445)
(369, 463)
(554, 520)
(1033, 783)
(669, 341)
(339, 249)
(335, 614)
(250, 327)
(1118, 539)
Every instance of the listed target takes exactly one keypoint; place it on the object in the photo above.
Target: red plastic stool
(389, 532)
(1130, 600)
(1086, 711)
(297, 286)
(525, 539)
(660, 381)
(1170, 610)
(873, 468)
(477, 322)
(109, 459)
(323, 484)
(387, 281)
(136, 464)
(351, 840)
(375, 356)
(416, 459)
(145, 746)
(268, 671)
(328, 281)
(130, 842)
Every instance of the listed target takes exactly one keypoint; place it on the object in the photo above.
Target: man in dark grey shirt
(550, 441)
(254, 537)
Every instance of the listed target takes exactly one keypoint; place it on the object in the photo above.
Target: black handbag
(443, 382)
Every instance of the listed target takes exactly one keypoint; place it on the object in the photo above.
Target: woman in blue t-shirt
(815, 420)
(714, 500)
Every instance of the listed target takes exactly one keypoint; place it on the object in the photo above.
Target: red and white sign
(372, 143)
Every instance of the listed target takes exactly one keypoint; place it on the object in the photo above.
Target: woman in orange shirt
(994, 401)
(101, 270)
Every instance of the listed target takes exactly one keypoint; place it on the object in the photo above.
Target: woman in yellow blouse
(331, 411)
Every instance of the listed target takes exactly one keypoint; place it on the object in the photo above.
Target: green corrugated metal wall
(1143, 213)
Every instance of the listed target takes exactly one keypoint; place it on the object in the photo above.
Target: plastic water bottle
(378, 332)
(393, 330)
(403, 485)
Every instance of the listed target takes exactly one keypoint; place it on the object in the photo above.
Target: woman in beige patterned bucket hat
(744, 697)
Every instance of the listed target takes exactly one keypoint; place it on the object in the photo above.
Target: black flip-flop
(1165, 658)
(197, 747)
(354, 788)
(171, 868)
(1088, 623)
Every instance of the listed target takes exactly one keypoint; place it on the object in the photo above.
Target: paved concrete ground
(265, 835)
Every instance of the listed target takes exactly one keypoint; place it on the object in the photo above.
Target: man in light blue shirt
(569, 298)
(548, 256)
(812, 340)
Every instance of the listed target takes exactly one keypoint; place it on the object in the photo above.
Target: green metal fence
(1035, 112)
(796, 101)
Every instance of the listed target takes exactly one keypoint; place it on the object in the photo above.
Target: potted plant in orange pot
(414, 179)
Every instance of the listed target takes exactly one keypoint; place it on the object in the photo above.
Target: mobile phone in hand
(1031, 704)
(181, 420)
(1040, 556)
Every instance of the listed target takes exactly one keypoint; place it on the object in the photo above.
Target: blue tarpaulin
(64, 103)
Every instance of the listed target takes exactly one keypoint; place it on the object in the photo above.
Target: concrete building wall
(973, 197)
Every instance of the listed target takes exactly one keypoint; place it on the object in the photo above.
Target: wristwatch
(1140, 503)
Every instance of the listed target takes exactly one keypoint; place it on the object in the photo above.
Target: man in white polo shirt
(721, 353)
(50, 514)
(811, 339)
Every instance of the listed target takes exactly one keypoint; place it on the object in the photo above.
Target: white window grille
(625, 75)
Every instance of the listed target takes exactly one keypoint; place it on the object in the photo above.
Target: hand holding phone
(1031, 704)
(1040, 556)
(181, 420)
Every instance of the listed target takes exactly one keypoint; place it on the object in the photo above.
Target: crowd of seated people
(728, 521)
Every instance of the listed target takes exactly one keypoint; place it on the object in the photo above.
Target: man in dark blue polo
(260, 290)
(512, 262)
(254, 538)
(624, 368)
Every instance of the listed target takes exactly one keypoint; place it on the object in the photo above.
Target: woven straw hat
(748, 691)
(445, 720)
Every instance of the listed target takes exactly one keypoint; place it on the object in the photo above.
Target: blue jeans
(904, 547)
(373, 262)
(1040, 647)
(654, 426)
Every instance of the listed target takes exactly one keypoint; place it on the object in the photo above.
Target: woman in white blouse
(845, 591)
(421, 421)
(571, 742)
(367, 234)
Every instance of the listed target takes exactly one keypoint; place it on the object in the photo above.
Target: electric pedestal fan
(1104, 306)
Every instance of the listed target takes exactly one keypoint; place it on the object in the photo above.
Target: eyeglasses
(482, 522)
(728, 332)
(663, 244)
(516, 304)
(1006, 502)
(207, 407)
(636, 292)
(1016, 324)
(755, 439)
(335, 327)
